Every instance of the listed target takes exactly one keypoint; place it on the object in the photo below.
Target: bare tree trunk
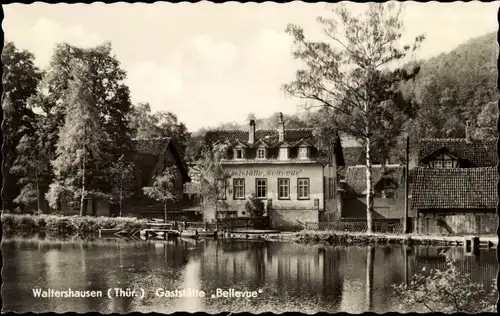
(369, 189)
(165, 212)
(121, 194)
(38, 202)
(83, 206)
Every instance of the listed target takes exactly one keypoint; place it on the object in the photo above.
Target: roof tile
(457, 188)
(480, 153)
(355, 177)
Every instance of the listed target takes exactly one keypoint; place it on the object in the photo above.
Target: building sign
(267, 173)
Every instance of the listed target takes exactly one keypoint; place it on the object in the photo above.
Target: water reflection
(288, 276)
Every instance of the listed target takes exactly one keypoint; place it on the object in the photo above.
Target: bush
(9, 223)
(27, 224)
(40, 222)
(60, 225)
(447, 291)
(255, 206)
(64, 225)
(86, 224)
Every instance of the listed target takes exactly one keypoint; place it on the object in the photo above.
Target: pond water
(282, 276)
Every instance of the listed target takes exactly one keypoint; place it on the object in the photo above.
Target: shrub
(40, 222)
(85, 224)
(27, 224)
(447, 291)
(9, 222)
(255, 206)
(60, 225)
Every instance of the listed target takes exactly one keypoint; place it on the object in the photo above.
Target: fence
(389, 227)
(256, 222)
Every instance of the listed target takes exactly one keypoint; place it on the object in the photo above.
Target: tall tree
(350, 75)
(122, 178)
(164, 189)
(487, 121)
(144, 125)
(214, 179)
(32, 165)
(20, 80)
(110, 94)
(81, 142)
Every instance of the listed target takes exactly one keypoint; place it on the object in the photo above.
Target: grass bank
(352, 238)
(58, 225)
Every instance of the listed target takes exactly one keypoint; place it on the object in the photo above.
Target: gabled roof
(355, 177)
(355, 155)
(283, 144)
(303, 142)
(151, 146)
(270, 138)
(239, 143)
(261, 143)
(480, 153)
(155, 147)
(457, 188)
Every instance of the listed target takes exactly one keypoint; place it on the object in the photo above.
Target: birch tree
(214, 180)
(122, 177)
(81, 141)
(164, 189)
(350, 73)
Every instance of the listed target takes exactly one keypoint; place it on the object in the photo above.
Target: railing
(356, 227)
(257, 222)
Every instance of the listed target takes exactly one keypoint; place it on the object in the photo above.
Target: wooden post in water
(407, 171)
(370, 256)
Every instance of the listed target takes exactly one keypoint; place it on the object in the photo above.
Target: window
(76, 204)
(447, 163)
(303, 188)
(261, 153)
(261, 188)
(444, 161)
(283, 189)
(303, 153)
(284, 153)
(238, 154)
(238, 189)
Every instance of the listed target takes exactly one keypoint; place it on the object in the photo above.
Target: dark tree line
(69, 129)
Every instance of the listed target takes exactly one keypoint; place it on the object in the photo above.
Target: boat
(193, 233)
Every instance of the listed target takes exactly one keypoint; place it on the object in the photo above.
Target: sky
(212, 63)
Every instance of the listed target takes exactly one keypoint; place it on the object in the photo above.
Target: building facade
(286, 169)
(150, 158)
(389, 192)
(454, 187)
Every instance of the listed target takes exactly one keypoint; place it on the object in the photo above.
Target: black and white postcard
(259, 157)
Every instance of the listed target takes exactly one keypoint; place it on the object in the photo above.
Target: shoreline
(330, 237)
(89, 227)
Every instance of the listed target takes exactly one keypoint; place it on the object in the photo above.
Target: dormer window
(444, 161)
(238, 154)
(261, 153)
(283, 153)
(303, 153)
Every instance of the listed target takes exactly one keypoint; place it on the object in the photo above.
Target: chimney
(281, 127)
(467, 131)
(251, 132)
